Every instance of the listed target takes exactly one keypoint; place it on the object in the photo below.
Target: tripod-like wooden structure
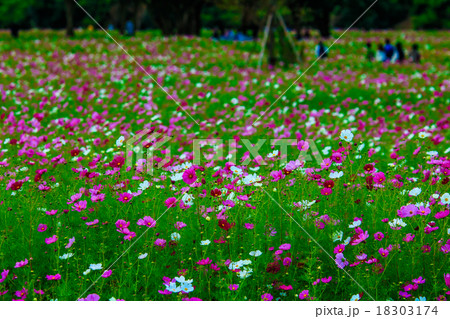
(268, 35)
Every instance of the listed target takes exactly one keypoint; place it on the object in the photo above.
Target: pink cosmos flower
(442, 214)
(22, 294)
(326, 191)
(107, 273)
(285, 247)
(53, 277)
(378, 236)
(287, 261)
(249, 226)
(125, 197)
(22, 263)
(3, 275)
(326, 280)
(266, 297)
(204, 261)
(189, 176)
(340, 260)
(80, 206)
(409, 237)
(91, 297)
(233, 287)
(326, 163)
(147, 221)
(51, 240)
(419, 280)
(170, 202)
(160, 242)
(383, 252)
(71, 241)
(179, 225)
(304, 294)
(42, 228)
(39, 292)
(339, 249)
(120, 223)
(92, 222)
(379, 177)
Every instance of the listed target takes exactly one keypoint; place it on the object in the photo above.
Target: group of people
(384, 53)
(391, 53)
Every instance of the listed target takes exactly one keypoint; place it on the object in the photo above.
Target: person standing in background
(388, 50)
(414, 54)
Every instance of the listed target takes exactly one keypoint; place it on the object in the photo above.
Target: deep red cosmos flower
(216, 192)
(328, 184)
(225, 225)
(16, 186)
(74, 152)
(118, 161)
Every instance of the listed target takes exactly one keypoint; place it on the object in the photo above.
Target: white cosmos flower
(120, 141)
(87, 271)
(144, 185)
(445, 199)
(423, 134)
(433, 153)
(273, 154)
(236, 170)
(355, 224)
(65, 256)
(176, 177)
(415, 191)
(95, 266)
(335, 175)
(250, 179)
(205, 242)
(337, 236)
(188, 199)
(175, 236)
(256, 253)
(346, 135)
(142, 256)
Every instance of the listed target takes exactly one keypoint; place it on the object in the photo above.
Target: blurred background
(218, 17)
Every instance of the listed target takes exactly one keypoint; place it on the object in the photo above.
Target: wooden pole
(288, 35)
(264, 41)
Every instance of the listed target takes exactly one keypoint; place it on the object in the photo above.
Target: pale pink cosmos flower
(51, 240)
(22, 263)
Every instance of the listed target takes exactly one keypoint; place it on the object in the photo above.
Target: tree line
(188, 17)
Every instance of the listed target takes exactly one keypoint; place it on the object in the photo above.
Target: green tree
(15, 14)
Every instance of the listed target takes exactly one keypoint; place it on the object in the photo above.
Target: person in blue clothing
(389, 50)
(321, 50)
(381, 55)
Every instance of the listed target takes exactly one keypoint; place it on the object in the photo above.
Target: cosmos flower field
(356, 207)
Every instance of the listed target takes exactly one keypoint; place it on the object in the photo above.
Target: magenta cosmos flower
(125, 197)
(326, 191)
(122, 223)
(234, 287)
(51, 240)
(160, 242)
(42, 228)
(91, 297)
(266, 297)
(189, 176)
(80, 206)
(304, 294)
(22, 263)
(170, 202)
(53, 277)
(107, 273)
(147, 221)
